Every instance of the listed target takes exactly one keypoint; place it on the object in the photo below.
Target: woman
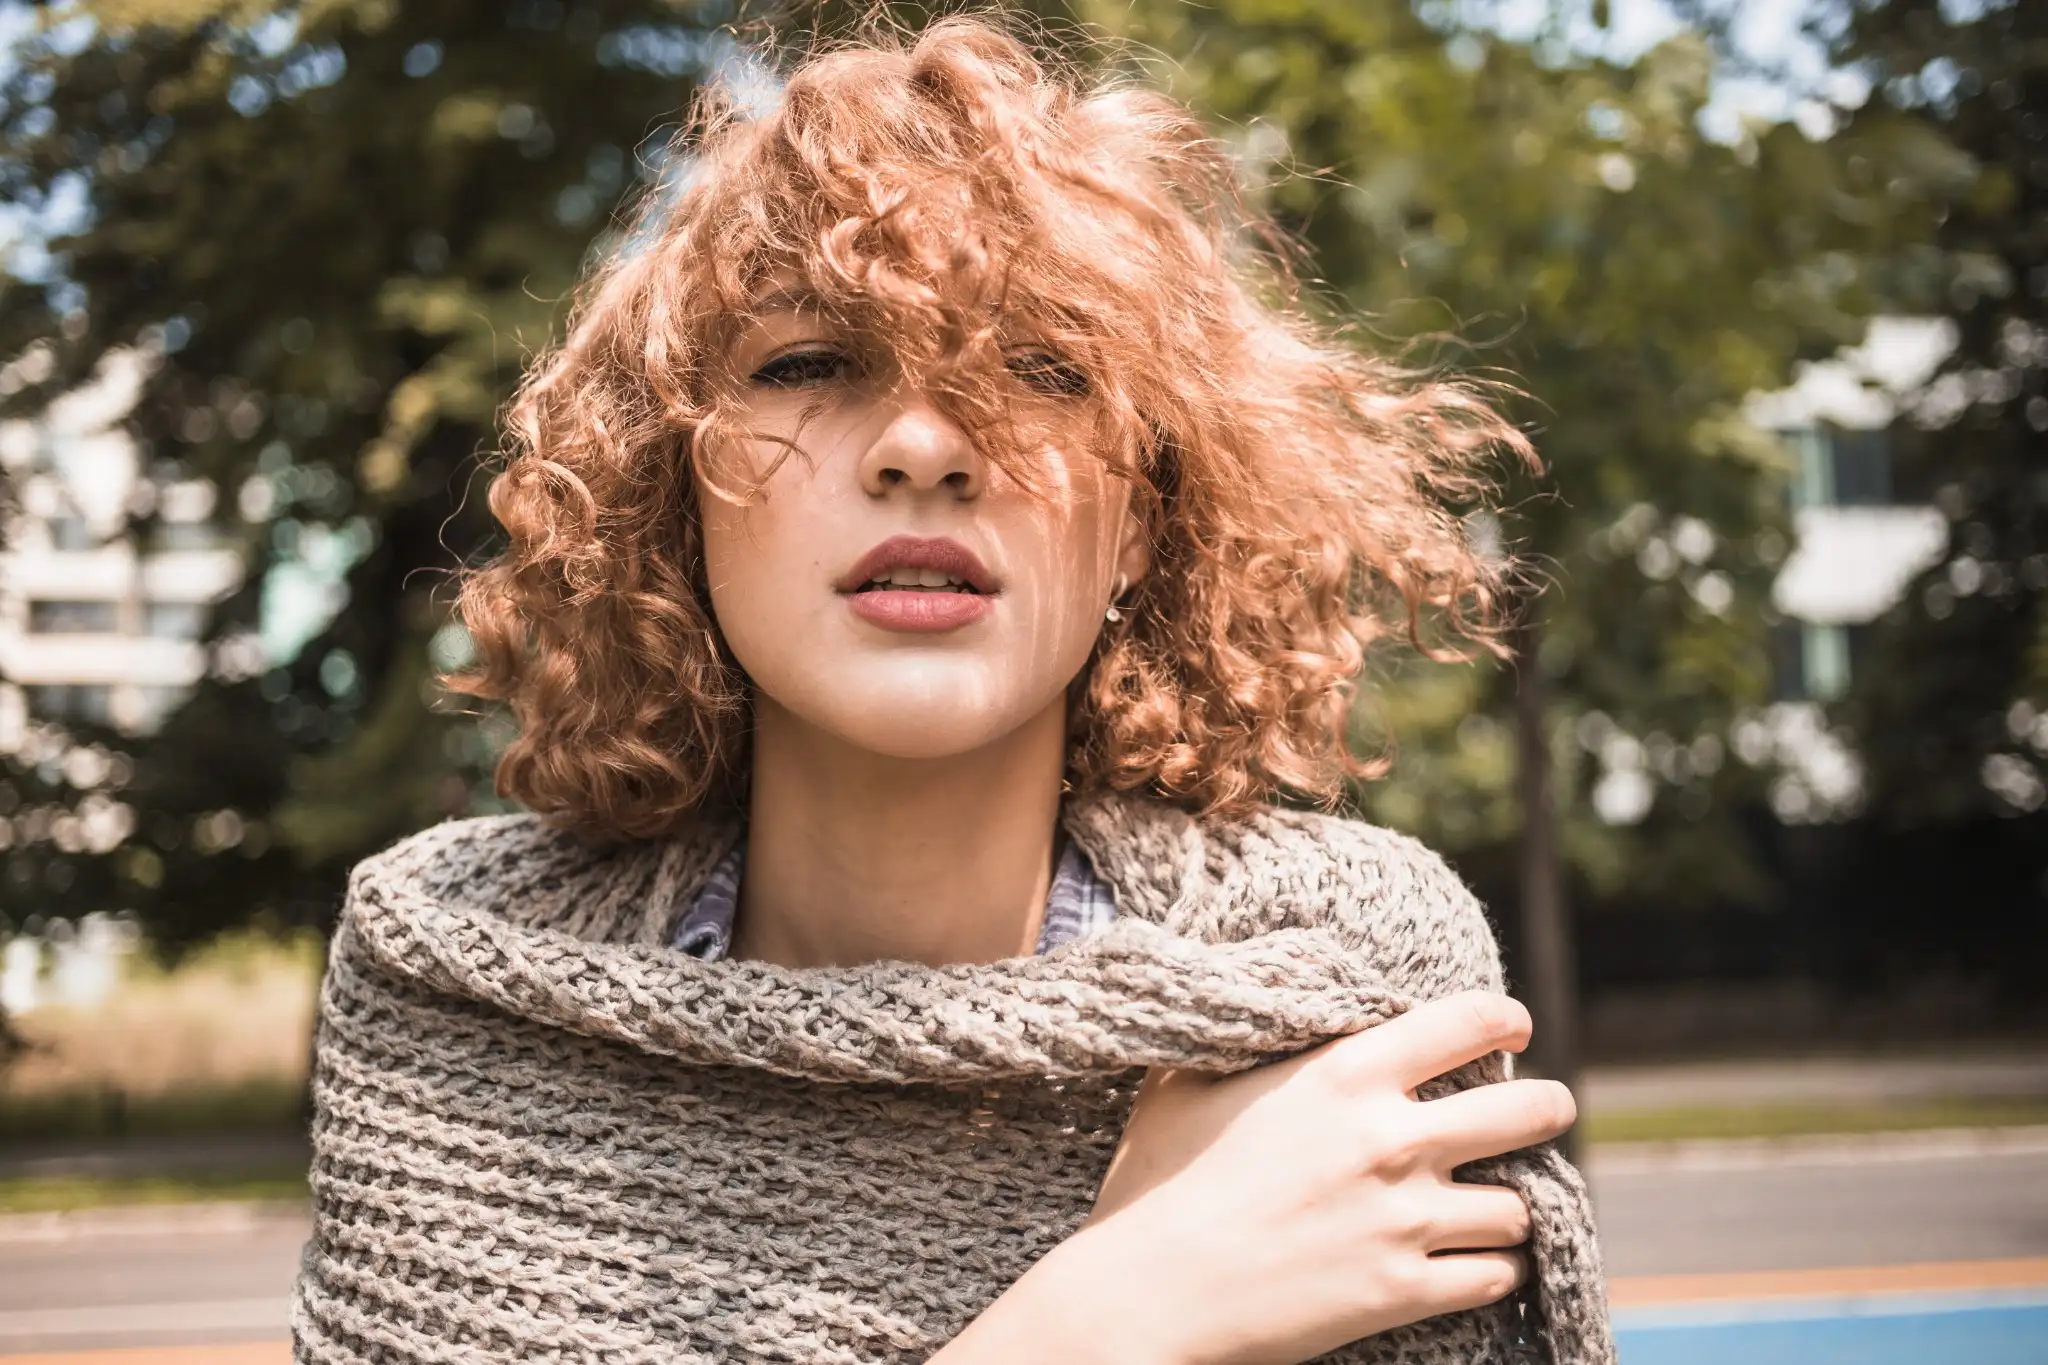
(938, 544)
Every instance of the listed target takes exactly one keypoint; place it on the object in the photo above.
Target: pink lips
(916, 610)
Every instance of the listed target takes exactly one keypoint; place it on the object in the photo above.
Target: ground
(1874, 1211)
(1885, 1249)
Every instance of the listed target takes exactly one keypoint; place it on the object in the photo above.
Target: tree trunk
(11, 1043)
(1549, 971)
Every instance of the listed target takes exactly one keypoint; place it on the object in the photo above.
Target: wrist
(1088, 1301)
(1111, 1276)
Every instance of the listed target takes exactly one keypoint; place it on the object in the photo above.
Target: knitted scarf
(543, 1134)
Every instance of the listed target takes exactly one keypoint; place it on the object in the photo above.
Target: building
(1857, 548)
(1856, 551)
(98, 624)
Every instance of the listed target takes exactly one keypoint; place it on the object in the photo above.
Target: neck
(857, 857)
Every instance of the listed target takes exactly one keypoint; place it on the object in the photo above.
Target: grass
(262, 1104)
(1669, 1125)
(218, 1044)
(44, 1194)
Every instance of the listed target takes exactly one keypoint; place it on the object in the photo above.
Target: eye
(1047, 373)
(805, 366)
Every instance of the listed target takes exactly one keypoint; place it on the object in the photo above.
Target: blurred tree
(1638, 280)
(337, 229)
(1951, 712)
(340, 227)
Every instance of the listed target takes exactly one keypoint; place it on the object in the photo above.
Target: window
(1837, 468)
(89, 702)
(1863, 467)
(172, 536)
(1824, 661)
(1816, 662)
(1841, 467)
(60, 617)
(71, 533)
(174, 620)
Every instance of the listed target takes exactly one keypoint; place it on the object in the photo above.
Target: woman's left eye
(795, 369)
(1047, 373)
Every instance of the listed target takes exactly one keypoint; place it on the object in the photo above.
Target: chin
(931, 746)
(896, 729)
(927, 709)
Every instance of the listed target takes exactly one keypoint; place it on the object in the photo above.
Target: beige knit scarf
(544, 1135)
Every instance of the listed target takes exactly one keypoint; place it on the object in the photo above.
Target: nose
(921, 449)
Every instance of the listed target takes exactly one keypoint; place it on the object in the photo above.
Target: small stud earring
(1115, 614)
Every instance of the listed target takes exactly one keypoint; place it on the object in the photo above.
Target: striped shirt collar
(1078, 904)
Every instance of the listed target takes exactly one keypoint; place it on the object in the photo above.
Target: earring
(1115, 614)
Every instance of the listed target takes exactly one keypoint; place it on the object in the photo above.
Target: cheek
(766, 566)
(1073, 553)
(1086, 555)
(745, 549)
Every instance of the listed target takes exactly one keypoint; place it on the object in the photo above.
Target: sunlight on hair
(932, 191)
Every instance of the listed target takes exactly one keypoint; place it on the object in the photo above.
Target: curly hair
(1301, 494)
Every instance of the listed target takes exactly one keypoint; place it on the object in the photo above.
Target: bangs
(935, 214)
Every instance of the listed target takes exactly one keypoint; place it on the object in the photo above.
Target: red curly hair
(1301, 494)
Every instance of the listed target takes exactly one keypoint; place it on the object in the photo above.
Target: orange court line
(1834, 1282)
(1631, 1291)
(242, 1353)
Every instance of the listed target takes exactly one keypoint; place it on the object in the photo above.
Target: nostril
(957, 481)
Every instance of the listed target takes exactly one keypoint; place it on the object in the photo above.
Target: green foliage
(268, 1105)
(1952, 714)
(1637, 281)
(1802, 1120)
(341, 227)
(272, 1182)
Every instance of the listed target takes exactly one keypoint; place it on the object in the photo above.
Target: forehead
(781, 291)
(783, 295)
(781, 286)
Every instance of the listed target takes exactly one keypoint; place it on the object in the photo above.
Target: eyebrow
(796, 297)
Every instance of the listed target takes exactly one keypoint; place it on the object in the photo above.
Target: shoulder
(1383, 894)
(459, 856)
(525, 869)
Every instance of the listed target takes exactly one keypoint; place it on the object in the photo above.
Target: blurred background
(1759, 802)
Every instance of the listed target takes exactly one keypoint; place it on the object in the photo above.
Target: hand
(1270, 1216)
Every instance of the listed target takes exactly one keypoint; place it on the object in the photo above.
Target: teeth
(917, 578)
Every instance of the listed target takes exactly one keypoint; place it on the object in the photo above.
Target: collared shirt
(1078, 904)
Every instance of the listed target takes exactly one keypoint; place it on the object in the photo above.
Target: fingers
(1488, 1120)
(1478, 1218)
(1442, 1035)
(1471, 1279)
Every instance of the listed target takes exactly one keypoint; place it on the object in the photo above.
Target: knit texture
(543, 1134)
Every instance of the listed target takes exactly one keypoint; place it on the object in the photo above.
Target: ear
(1134, 546)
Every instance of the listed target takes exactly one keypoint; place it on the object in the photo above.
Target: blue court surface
(1985, 1328)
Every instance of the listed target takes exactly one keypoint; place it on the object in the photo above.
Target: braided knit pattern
(543, 1135)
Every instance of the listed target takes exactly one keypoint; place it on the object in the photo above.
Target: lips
(937, 554)
(919, 584)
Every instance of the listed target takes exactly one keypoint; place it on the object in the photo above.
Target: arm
(1268, 1217)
